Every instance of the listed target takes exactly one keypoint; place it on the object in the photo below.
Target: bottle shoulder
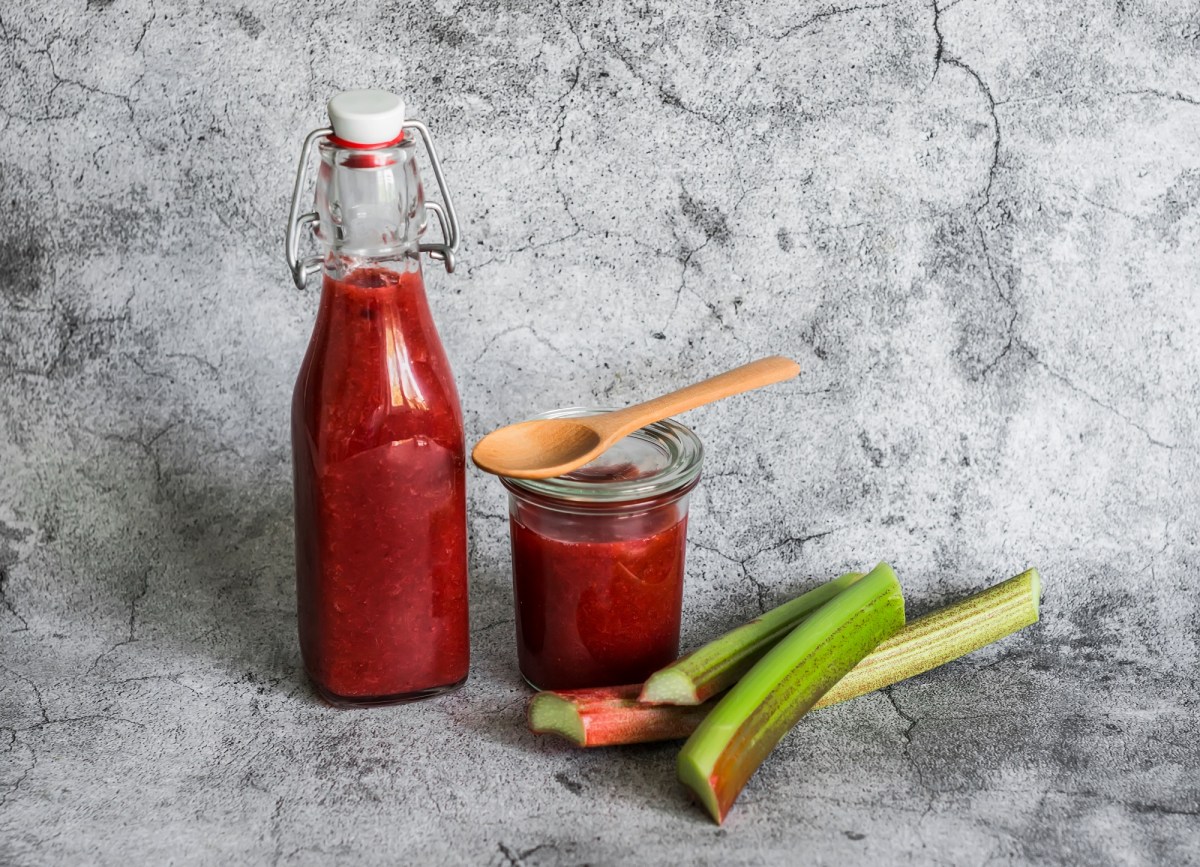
(376, 371)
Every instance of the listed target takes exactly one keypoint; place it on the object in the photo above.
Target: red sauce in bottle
(381, 549)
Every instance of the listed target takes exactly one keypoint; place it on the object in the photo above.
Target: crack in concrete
(7, 602)
(939, 50)
(37, 693)
(1011, 328)
(506, 255)
(821, 16)
(25, 772)
(533, 333)
(759, 587)
(146, 445)
(1076, 194)
(91, 717)
(516, 858)
(1177, 96)
(910, 720)
(993, 167)
(910, 724)
(714, 230)
(667, 96)
(794, 540)
(560, 119)
(59, 81)
(203, 362)
(73, 324)
(133, 604)
(137, 46)
(153, 374)
(950, 60)
(493, 625)
(1153, 92)
(1033, 356)
(779, 37)
(169, 678)
(1162, 809)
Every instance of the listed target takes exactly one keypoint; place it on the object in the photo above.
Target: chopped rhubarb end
(552, 714)
(702, 786)
(670, 686)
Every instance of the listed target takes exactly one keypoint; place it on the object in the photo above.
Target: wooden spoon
(543, 448)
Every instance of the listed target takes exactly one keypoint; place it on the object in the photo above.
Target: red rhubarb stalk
(609, 715)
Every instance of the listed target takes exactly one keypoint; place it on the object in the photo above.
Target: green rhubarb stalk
(944, 635)
(718, 665)
(927, 642)
(739, 733)
(612, 715)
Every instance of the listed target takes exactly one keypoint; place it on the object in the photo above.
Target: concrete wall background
(973, 224)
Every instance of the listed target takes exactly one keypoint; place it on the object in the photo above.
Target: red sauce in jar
(598, 582)
(381, 548)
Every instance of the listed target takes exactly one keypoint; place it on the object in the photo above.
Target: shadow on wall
(208, 549)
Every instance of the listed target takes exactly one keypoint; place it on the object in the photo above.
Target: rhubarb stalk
(611, 715)
(944, 635)
(718, 665)
(737, 735)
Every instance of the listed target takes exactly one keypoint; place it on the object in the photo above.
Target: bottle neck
(337, 266)
(370, 205)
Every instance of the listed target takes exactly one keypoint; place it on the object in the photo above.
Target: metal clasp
(301, 268)
(297, 223)
(447, 219)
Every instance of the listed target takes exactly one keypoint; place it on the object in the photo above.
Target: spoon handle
(748, 377)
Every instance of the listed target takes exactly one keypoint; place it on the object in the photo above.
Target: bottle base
(348, 701)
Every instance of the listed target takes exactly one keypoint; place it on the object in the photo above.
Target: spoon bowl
(544, 448)
(539, 449)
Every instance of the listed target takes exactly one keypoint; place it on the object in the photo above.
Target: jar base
(358, 701)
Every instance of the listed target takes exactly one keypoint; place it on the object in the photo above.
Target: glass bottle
(377, 433)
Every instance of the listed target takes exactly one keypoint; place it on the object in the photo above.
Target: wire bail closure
(299, 223)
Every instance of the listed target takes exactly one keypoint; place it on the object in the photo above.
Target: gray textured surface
(976, 228)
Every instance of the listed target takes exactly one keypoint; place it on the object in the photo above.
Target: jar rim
(678, 443)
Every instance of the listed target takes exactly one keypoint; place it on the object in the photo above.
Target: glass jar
(598, 560)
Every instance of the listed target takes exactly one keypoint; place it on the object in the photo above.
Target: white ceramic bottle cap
(366, 117)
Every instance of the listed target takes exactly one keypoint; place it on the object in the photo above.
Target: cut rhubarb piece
(739, 733)
(718, 665)
(927, 642)
(609, 715)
